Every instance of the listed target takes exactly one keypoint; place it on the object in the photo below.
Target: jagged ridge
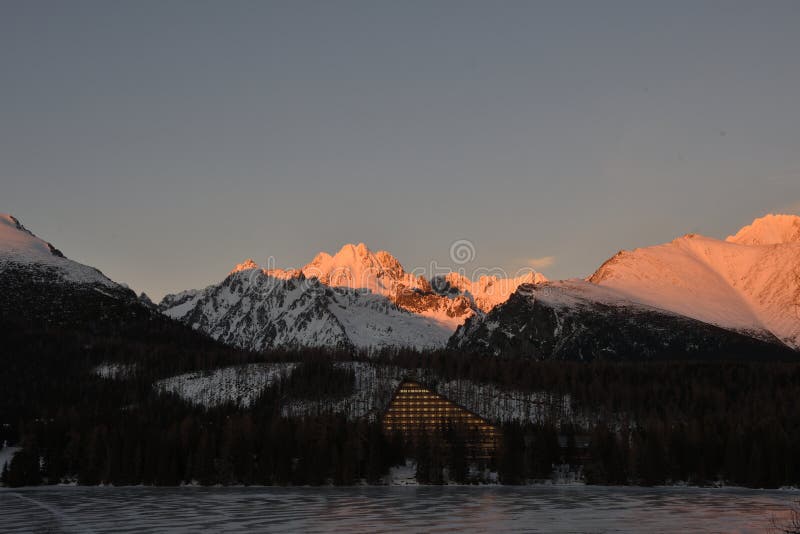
(355, 298)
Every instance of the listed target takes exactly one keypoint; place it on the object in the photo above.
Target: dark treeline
(656, 422)
(212, 447)
(649, 423)
(45, 367)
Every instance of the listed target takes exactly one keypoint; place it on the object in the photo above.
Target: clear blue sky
(164, 142)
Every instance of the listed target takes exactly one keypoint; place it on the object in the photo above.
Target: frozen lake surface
(384, 509)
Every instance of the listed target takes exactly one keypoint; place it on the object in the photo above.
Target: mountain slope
(49, 300)
(40, 285)
(577, 320)
(749, 283)
(695, 296)
(21, 250)
(60, 319)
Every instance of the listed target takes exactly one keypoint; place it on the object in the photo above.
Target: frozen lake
(383, 509)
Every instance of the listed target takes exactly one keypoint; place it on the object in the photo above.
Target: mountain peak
(16, 240)
(356, 266)
(21, 247)
(10, 220)
(772, 229)
(351, 250)
(246, 265)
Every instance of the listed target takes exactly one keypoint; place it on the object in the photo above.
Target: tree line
(645, 422)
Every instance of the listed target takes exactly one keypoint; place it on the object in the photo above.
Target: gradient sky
(164, 142)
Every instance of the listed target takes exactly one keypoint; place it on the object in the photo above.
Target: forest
(735, 423)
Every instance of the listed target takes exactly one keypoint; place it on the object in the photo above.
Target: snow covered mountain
(692, 295)
(354, 298)
(253, 309)
(355, 267)
(38, 282)
(578, 320)
(748, 283)
(40, 288)
(21, 250)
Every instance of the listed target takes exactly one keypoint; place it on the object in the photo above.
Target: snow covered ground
(7, 454)
(241, 384)
(375, 385)
(114, 371)
(403, 475)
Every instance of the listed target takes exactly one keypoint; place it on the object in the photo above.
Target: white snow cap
(771, 229)
(17, 240)
(19, 246)
(246, 265)
(357, 267)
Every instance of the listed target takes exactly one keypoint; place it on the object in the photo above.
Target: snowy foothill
(240, 385)
(375, 384)
(114, 370)
(373, 389)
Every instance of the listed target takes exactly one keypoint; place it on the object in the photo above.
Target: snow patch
(7, 454)
(240, 385)
(114, 371)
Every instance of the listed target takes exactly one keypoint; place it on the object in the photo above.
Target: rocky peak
(246, 265)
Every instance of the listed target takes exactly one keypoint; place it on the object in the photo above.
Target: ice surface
(385, 509)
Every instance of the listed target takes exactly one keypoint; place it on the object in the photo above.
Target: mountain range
(693, 296)
(354, 298)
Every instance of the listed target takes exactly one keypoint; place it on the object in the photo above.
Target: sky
(164, 142)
